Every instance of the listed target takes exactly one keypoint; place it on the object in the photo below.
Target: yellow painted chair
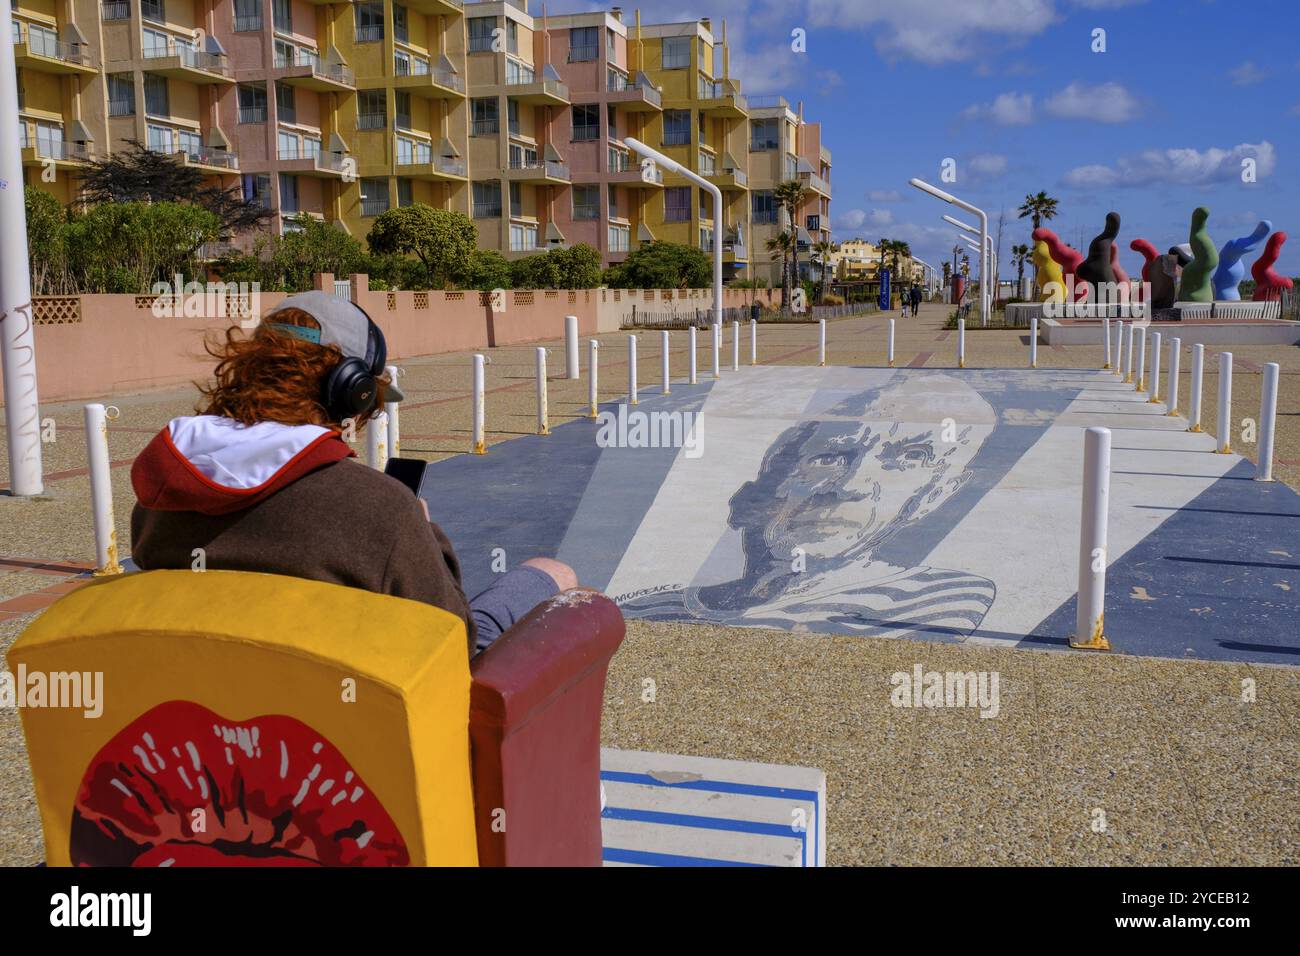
(256, 719)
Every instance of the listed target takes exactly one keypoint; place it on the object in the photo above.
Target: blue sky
(1010, 89)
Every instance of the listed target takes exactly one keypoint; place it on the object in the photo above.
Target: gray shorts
(511, 596)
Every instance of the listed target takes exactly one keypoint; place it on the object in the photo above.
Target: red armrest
(534, 722)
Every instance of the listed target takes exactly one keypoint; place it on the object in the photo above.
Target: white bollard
(1033, 341)
(665, 359)
(1225, 404)
(1267, 422)
(1198, 377)
(1155, 367)
(377, 441)
(891, 343)
(753, 341)
(101, 489)
(1175, 360)
(571, 347)
(631, 370)
(593, 347)
(1128, 353)
(1091, 615)
(821, 341)
(543, 426)
(1140, 363)
(735, 345)
(961, 343)
(717, 350)
(1119, 348)
(391, 410)
(480, 441)
(1105, 338)
(691, 352)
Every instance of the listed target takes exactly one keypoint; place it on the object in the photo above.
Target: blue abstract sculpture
(1231, 270)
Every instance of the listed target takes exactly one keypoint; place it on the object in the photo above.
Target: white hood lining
(239, 456)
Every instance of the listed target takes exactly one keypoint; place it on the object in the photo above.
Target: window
(620, 238)
(517, 73)
(611, 49)
(676, 53)
(287, 145)
(512, 36)
(369, 20)
(706, 239)
(282, 15)
(586, 202)
(155, 95)
(372, 109)
(252, 103)
(404, 196)
(813, 223)
(677, 204)
(403, 120)
(706, 58)
(284, 53)
(402, 35)
(155, 43)
(190, 143)
(160, 138)
(516, 199)
(677, 127)
(522, 157)
(285, 106)
(764, 134)
(612, 196)
(586, 123)
(413, 152)
(584, 44)
(611, 120)
(481, 30)
(523, 238)
(401, 63)
(702, 125)
(487, 200)
(512, 116)
(121, 94)
(257, 188)
(115, 10)
(153, 10)
(374, 196)
(248, 15)
(764, 206)
(49, 141)
(288, 193)
(310, 147)
(484, 116)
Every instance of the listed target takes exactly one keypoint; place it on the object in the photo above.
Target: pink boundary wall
(113, 344)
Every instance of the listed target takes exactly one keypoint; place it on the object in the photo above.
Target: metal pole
(665, 359)
(1128, 353)
(1155, 368)
(543, 426)
(631, 370)
(1175, 359)
(480, 443)
(1105, 338)
(377, 442)
(1119, 348)
(961, 343)
(17, 335)
(101, 489)
(1225, 404)
(1033, 341)
(691, 351)
(1091, 614)
(891, 343)
(821, 341)
(753, 341)
(1198, 375)
(735, 345)
(1140, 365)
(1267, 422)
(571, 347)
(394, 424)
(593, 346)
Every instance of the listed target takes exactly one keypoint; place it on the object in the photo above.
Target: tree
(778, 246)
(824, 248)
(1019, 256)
(140, 174)
(661, 265)
(443, 240)
(577, 267)
(46, 225)
(126, 247)
(488, 270)
(792, 194)
(1038, 208)
(316, 246)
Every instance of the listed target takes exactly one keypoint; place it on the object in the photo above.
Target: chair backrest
(249, 719)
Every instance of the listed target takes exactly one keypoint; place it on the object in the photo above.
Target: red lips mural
(183, 786)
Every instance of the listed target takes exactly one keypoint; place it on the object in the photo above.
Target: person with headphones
(261, 478)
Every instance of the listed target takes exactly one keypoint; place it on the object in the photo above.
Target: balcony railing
(813, 181)
(248, 24)
(584, 54)
(713, 90)
(371, 121)
(46, 43)
(487, 210)
(252, 114)
(189, 57)
(115, 10)
(624, 163)
(374, 207)
(370, 34)
(328, 71)
(767, 101)
(484, 127)
(618, 83)
(552, 168)
(453, 81)
(738, 175)
(212, 156)
(62, 150)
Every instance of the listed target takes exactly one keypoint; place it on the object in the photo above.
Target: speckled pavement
(1182, 769)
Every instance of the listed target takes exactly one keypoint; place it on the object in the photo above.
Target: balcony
(816, 184)
(541, 92)
(430, 8)
(770, 101)
(722, 99)
(539, 172)
(635, 96)
(62, 154)
(40, 50)
(624, 169)
(209, 159)
(320, 164)
(728, 179)
(311, 74)
(433, 85)
(435, 168)
(179, 62)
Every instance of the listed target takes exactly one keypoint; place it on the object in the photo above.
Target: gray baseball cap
(344, 324)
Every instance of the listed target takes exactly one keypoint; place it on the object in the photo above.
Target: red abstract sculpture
(1064, 256)
(1121, 277)
(1268, 283)
(1149, 253)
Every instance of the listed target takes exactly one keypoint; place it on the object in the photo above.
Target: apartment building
(814, 171)
(703, 127)
(609, 200)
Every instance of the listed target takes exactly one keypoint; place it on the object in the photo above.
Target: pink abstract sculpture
(1064, 256)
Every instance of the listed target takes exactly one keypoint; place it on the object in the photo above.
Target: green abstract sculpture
(1198, 277)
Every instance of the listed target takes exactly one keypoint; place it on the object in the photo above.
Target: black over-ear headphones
(351, 387)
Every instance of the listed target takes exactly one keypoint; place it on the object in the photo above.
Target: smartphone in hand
(409, 471)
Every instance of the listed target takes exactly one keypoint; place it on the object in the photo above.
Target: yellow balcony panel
(722, 100)
(437, 169)
(322, 165)
(182, 63)
(633, 96)
(435, 8)
(49, 56)
(62, 155)
(313, 75)
(539, 172)
(209, 160)
(434, 85)
(729, 180)
(541, 92)
(627, 171)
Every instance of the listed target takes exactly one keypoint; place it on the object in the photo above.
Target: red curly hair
(271, 376)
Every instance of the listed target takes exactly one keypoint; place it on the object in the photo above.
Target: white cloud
(850, 219)
(884, 195)
(1247, 74)
(1009, 109)
(1184, 167)
(987, 165)
(1105, 103)
(880, 217)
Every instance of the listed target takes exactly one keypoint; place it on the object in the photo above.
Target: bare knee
(564, 576)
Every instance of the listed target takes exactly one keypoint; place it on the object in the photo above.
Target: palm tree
(1019, 256)
(779, 248)
(1038, 208)
(790, 195)
(824, 248)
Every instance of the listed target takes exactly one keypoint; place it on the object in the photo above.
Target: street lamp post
(938, 193)
(17, 335)
(672, 166)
